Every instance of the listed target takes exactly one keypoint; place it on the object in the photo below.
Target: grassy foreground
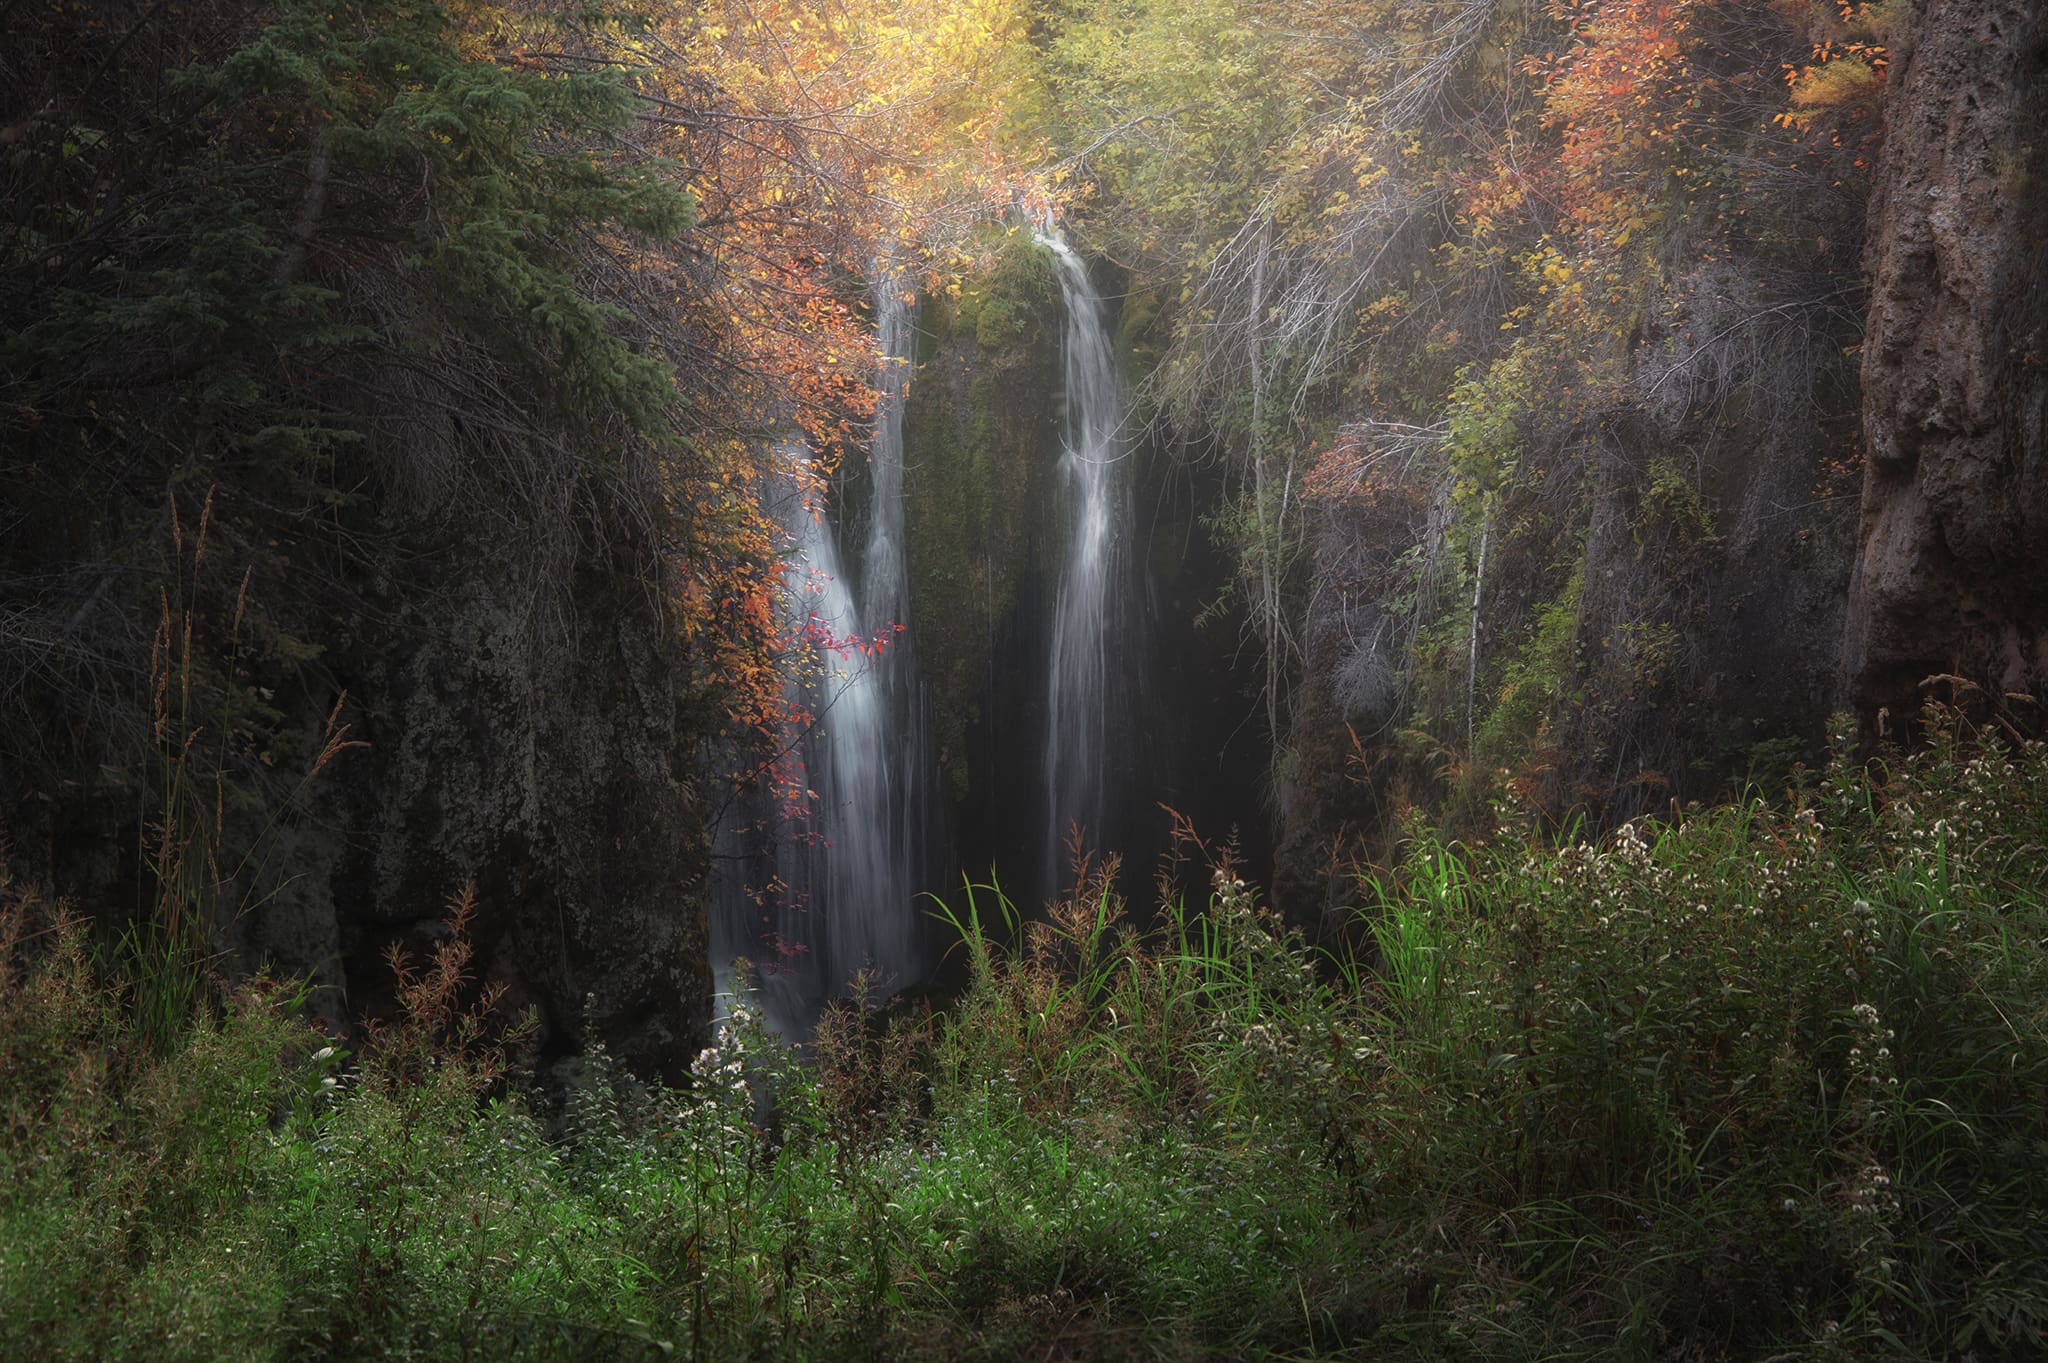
(1765, 1084)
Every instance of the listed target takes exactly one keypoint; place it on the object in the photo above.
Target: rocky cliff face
(311, 391)
(1952, 569)
(983, 440)
(535, 745)
(544, 760)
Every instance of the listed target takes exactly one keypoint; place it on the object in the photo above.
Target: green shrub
(1744, 1083)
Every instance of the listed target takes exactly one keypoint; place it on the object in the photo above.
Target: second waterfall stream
(1090, 632)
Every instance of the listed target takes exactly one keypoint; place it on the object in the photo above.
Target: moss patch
(982, 441)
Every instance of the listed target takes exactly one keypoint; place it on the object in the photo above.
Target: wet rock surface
(1952, 572)
(544, 760)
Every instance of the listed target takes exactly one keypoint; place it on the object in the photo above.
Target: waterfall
(877, 784)
(816, 897)
(1087, 608)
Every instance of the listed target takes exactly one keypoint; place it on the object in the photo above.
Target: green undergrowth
(1760, 1082)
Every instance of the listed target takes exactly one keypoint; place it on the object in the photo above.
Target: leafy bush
(1748, 1082)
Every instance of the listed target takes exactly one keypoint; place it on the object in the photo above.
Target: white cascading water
(833, 893)
(875, 777)
(1086, 612)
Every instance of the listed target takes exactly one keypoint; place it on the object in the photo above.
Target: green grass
(1761, 1084)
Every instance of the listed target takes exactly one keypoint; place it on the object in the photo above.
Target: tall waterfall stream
(1088, 609)
(815, 898)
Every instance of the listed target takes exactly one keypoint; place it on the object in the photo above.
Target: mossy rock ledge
(982, 444)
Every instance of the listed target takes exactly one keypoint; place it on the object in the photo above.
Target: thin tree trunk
(1472, 658)
(1268, 579)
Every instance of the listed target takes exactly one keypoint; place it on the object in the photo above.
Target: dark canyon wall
(1952, 567)
(299, 405)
